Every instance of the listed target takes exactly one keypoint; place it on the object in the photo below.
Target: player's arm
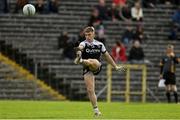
(79, 49)
(109, 59)
(175, 58)
(161, 68)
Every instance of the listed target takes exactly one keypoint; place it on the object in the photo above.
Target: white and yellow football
(29, 10)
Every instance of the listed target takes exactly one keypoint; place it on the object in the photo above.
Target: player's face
(170, 50)
(89, 36)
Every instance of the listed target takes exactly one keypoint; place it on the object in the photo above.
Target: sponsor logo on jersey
(92, 50)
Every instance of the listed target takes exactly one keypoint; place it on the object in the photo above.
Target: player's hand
(78, 53)
(77, 49)
(172, 54)
(121, 68)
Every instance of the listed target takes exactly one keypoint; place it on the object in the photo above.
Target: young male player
(89, 53)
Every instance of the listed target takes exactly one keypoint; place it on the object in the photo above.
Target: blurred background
(36, 60)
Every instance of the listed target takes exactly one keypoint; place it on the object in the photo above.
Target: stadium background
(32, 69)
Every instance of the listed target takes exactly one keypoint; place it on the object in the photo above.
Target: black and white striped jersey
(93, 49)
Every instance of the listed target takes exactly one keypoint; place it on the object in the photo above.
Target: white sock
(96, 110)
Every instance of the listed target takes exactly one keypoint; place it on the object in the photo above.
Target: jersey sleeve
(161, 65)
(82, 44)
(176, 59)
(103, 49)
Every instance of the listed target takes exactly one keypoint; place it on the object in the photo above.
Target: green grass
(83, 110)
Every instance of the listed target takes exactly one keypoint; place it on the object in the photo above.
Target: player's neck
(90, 41)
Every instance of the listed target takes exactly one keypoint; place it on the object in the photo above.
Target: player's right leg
(90, 86)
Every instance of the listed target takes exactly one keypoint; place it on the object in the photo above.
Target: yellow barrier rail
(127, 92)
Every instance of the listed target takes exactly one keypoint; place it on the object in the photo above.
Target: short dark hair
(89, 29)
(170, 46)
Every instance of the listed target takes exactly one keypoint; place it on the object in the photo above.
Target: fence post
(36, 69)
(109, 82)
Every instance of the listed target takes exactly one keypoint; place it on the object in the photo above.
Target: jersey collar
(91, 41)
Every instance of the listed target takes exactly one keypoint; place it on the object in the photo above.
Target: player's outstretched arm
(109, 59)
(79, 48)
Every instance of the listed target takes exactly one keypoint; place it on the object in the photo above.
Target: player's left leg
(174, 89)
(90, 86)
(92, 64)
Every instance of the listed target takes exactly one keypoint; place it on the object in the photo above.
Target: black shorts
(96, 72)
(170, 78)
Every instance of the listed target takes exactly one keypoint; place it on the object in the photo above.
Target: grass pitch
(83, 110)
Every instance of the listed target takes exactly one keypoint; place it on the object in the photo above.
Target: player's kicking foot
(78, 59)
(97, 114)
